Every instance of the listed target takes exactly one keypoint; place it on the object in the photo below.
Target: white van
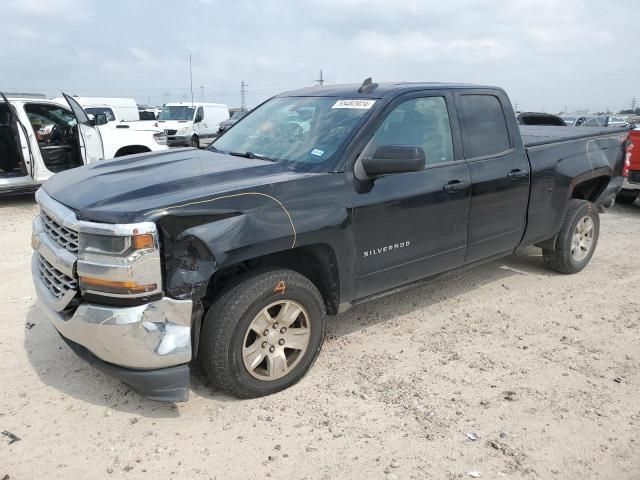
(192, 124)
(40, 137)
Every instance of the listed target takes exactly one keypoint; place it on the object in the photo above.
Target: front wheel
(577, 238)
(195, 142)
(264, 334)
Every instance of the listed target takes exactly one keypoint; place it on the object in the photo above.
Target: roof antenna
(367, 86)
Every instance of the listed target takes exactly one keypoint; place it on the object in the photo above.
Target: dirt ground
(542, 367)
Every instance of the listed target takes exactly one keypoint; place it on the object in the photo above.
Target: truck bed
(560, 155)
(533, 135)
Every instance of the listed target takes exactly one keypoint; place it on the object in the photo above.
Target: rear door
(89, 137)
(499, 172)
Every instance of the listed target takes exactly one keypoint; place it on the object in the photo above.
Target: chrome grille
(63, 236)
(170, 132)
(56, 282)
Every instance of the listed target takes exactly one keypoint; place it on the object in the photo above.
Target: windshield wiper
(253, 156)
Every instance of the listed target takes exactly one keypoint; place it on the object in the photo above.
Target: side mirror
(100, 119)
(394, 159)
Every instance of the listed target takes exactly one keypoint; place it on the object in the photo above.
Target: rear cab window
(484, 126)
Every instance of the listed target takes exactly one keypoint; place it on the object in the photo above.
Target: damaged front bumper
(146, 346)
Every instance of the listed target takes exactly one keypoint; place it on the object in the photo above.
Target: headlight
(160, 138)
(103, 244)
(119, 265)
(183, 131)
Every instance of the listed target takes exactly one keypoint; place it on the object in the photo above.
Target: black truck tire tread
(560, 259)
(223, 318)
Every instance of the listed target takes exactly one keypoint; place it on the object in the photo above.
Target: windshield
(176, 112)
(305, 130)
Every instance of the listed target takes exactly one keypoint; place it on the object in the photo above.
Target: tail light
(627, 158)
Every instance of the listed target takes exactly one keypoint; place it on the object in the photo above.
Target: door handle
(454, 186)
(516, 174)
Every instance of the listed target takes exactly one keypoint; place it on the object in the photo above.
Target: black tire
(561, 259)
(228, 320)
(195, 142)
(626, 197)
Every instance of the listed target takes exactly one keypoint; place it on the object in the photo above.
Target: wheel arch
(131, 150)
(317, 262)
(591, 188)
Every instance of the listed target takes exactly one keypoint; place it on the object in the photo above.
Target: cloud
(543, 52)
(418, 45)
(66, 9)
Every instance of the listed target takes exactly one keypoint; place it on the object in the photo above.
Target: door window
(422, 122)
(199, 115)
(484, 128)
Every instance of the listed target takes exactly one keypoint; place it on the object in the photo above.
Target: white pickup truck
(40, 137)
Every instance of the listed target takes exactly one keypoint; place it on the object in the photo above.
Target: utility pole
(634, 102)
(320, 81)
(202, 92)
(515, 107)
(191, 79)
(243, 91)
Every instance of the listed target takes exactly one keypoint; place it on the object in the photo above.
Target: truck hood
(129, 189)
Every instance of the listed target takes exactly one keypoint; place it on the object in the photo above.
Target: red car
(631, 186)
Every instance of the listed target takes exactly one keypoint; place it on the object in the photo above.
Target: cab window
(422, 122)
(484, 128)
(98, 110)
(199, 114)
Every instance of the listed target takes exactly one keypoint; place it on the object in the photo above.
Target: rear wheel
(626, 197)
(264, 334)
(577, 238)
(195, 142)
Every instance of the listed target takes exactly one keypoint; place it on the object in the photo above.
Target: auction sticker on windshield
(358, 104)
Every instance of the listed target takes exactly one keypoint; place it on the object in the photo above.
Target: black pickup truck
(318, 199)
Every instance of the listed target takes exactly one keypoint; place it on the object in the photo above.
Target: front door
(499, 174)
(412, 225)
(89, 137)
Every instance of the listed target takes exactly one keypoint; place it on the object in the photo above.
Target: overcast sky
(547, 54)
